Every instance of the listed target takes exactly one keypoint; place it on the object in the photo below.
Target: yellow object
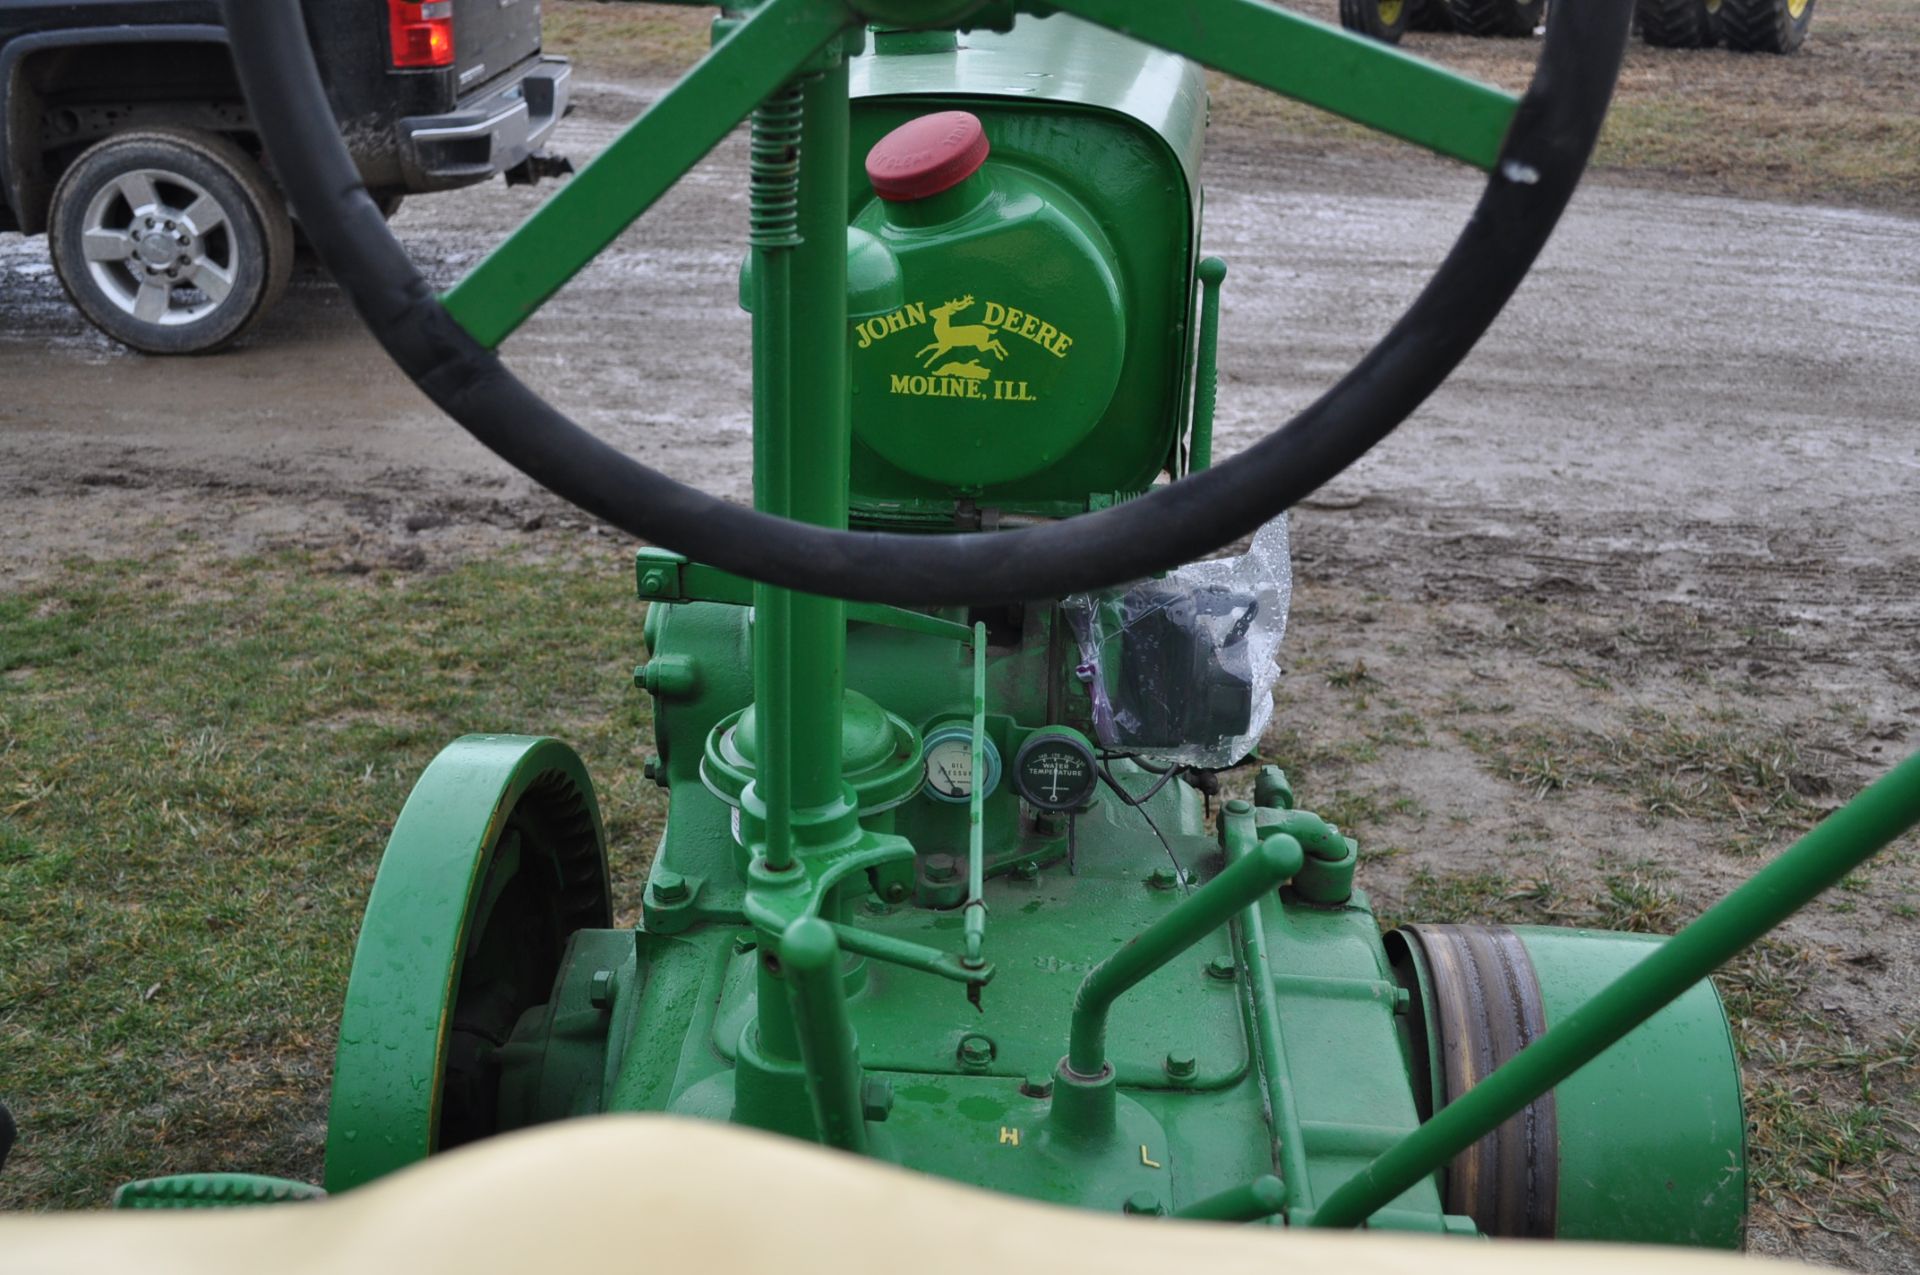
(614, 1191)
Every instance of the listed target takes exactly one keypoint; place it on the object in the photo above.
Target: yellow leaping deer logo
(946, 337)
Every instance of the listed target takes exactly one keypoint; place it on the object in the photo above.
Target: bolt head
(670, 888)
(941, 868)
(1223, 968)
(1181, 1064)
(1038, 1084)
(876, 1098)
(1161, 879)
(653, 583)
(976, 1051)
(1143, 1204)
(600, 989)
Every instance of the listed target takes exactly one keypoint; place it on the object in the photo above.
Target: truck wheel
(1429, 15)
(1512, 18)
(169, 240)
(1384, 20)
(1765, 26)
(1679, 24)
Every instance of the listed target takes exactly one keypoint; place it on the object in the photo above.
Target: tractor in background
(1745, 26)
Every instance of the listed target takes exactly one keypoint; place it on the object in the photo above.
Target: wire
(1140, 804)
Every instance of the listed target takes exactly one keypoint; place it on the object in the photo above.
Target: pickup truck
(124, 139)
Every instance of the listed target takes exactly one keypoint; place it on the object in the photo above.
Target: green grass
(1742, 775)
(199, 764)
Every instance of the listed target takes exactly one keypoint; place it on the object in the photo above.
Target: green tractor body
(1019, 346)
(956, 886)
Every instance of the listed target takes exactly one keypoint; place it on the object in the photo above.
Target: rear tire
(1384, 20)
(1429, 15)
(1679, 24)
(170, 240)
(1765, 26)
(1511, 19)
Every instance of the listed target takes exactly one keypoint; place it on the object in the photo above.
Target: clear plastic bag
(1181, 669)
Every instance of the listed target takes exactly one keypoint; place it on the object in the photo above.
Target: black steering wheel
(1546, 148)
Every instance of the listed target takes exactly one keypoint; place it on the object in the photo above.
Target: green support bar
(1253, 874)
(1838, 845)
(1350, 75)
(976, 919)
(1206, 387)
(811, 956)
(1283, 1108)
(624, 180)
(1262, 1197)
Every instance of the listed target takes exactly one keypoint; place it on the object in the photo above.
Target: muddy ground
(1635, 595)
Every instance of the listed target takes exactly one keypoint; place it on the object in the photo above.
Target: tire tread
(276, 226)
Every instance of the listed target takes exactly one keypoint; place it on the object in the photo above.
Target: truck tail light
(422, 33)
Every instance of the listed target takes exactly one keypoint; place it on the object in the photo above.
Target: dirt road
(1671, 497)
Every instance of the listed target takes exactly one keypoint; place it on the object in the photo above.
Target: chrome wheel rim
(159, 247)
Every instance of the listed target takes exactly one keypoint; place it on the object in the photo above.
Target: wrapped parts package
(1182, 668)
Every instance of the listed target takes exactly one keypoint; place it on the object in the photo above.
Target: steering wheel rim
(1546, 150)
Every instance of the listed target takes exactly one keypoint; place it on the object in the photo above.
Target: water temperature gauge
(949, 758)
(1054, 769)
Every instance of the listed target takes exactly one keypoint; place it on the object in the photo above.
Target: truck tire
(1765, 26)
(1429, 15)
(169, 240)
(1508, 18)
(1384, 20)
(1679, 24)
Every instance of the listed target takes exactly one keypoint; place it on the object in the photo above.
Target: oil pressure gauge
(1054, 769)
(949, 757)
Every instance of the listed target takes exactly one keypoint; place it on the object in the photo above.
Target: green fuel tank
(1040, 196)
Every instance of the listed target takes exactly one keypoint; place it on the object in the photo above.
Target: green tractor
(1745, 26)
(949, 877)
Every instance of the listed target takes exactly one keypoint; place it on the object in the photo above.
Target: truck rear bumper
(489, 133)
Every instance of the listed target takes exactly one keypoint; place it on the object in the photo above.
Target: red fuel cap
(926, 156)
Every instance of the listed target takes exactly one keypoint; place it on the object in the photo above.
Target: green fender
(498, 856)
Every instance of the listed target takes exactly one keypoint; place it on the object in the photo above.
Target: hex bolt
(976, 1052)
(653, 583)
(1162, 879)
(1026, 870)
(1181, 1064)
(1222, 968)
(1038, 1084)
(941, 868)
(1402, 1000)
(875, 907)
(669, 888)
(876, 1098)
(1143, 1204)
(744, 943)
(600, 989)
